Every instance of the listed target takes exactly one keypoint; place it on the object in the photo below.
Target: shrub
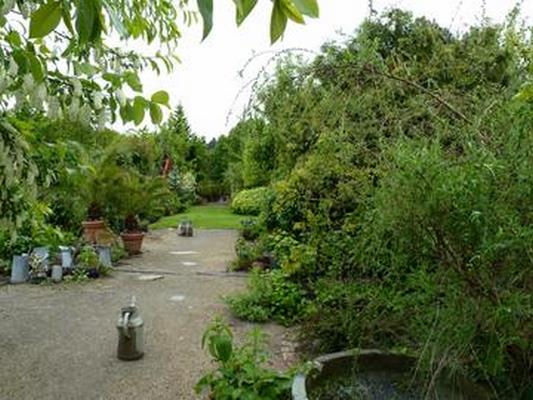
(240, 372)
(88, 261)
(250, 201)
(247, 253)
(442, 245)
(117, 253)
(403, 196)
(250, 229)
(271, 295)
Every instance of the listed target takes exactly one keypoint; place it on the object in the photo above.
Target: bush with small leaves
(250, 201)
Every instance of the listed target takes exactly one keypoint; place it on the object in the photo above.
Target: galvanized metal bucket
(67, 261)
(20, 270)
(104, 254)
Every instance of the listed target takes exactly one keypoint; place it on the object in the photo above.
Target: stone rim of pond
(368, 359)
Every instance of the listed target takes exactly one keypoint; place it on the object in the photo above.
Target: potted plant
(89, 261)
(38, 270)
(132, 202)
(137, 194)
(94, 225)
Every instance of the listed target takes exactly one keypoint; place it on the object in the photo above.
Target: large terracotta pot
(132, 242)
(92, 230)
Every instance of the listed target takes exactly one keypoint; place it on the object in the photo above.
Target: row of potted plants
(117, 198)
(40, 264)
(122, 195)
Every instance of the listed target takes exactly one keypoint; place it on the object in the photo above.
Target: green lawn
(204, 217)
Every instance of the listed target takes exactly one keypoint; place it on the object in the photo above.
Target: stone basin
(373, 375)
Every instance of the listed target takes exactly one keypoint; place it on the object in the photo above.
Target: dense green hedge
(250, 201)
(403, 208)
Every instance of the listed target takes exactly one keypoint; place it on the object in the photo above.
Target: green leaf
(21, 58)
(126, 113)
(115, 20)
(138, 110)
(86, 68)
(87, 20)
(45, 19)
(292, 12)
(308, 7)
(244, 8)
(114, 79)
(206, 11)
(36, 68)
(67, 20)
(155, 113)
(13, 38)
(278, 22)
(161, 97)
(223, 347)
(133, 81)
(526, 93)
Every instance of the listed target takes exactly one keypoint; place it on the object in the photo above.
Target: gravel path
(59, 341)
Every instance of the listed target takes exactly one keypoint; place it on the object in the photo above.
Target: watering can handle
(125, 327)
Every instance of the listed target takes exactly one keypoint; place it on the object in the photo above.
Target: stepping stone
(189, 263)
(177, 298)
(150, 278)
(183, 253)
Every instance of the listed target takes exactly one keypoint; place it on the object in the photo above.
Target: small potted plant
(98, 183)
(133, 202)
(38, 270)
(94, 224)
(89, 261)
(135, 192)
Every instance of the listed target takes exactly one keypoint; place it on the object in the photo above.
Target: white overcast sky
(207, 81)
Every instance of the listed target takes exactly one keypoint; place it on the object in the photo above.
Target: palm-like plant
(132, 195)
(135, 195)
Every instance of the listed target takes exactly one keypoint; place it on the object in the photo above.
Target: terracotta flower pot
(92, 230)
(132, 242)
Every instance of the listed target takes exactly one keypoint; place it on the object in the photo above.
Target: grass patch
(204, 217)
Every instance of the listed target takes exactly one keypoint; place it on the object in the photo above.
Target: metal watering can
(185, 228)
(130, 328)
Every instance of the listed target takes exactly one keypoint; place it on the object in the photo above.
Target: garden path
(59, 341)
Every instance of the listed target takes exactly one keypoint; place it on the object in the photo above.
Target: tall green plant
(240, 372)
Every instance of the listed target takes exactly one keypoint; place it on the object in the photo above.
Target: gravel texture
(59, 341)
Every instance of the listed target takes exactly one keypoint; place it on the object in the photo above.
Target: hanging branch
(439, 99)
